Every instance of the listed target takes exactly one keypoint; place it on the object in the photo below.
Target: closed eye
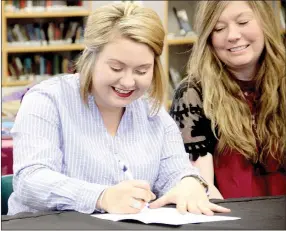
(243, 23)
(218, 29)
(140, 72)
(116, 69)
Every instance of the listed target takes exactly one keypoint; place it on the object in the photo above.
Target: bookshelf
(178, 48)
(44, 48)
(48, 14)
(182, 41)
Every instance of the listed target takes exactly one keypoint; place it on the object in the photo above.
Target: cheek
(144, 81)
(218, 45)
(253, 32)
(105, 77)
(218, 41)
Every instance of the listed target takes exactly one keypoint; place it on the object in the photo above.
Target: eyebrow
(143, 65)
(240, 14)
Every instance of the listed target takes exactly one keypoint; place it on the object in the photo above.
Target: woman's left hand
(189, 196)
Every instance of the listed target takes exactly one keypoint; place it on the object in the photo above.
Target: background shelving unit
(178, 47)
(45, 16)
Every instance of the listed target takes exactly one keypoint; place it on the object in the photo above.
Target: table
(256, 213)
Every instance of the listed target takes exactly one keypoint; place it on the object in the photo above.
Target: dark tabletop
(256, 213)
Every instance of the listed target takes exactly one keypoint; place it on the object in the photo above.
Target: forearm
(173, 170)
(205, 166)
(174, 161)
(44, 189)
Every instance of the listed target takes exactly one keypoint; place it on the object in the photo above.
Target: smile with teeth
(122, 91)
(238, 48)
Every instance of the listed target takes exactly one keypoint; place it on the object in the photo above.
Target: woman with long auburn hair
(231, 109)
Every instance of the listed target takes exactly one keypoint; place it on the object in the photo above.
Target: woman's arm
(205, 165)
(199, 141)
(206, 168)
(174, 163)
(38, 160)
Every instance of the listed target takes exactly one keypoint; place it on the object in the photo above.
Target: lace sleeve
(188, 113)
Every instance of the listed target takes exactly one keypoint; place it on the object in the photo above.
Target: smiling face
(123, 72)
(237, 37)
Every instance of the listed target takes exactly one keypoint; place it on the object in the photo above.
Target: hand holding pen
(129, 196)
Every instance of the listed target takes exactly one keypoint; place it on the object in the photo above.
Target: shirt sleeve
(39, 160)
(174, 163)
(187, 111)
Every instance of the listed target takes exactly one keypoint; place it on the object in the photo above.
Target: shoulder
(188, 93)
(188, 86)
(161, 118)
(56, 87)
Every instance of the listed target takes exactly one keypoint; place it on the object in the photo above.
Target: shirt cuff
(87, 197)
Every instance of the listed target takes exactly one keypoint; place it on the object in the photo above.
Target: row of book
(45, 33)
(26, 67)
(42, 5)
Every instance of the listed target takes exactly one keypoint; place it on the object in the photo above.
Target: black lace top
(187, 111)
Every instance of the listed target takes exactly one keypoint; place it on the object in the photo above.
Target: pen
(125, 170)
(128, 174)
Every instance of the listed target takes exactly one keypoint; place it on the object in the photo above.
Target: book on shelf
(42, 5)
(175, 77)
(49, 64)
(44, 34)
(183, 21)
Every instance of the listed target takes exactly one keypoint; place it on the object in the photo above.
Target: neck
(111, 118)
(245, 75)
(111, 112)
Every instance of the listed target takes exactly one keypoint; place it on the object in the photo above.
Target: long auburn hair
(223, 100)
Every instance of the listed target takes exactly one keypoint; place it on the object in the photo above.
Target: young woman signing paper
(71, 132)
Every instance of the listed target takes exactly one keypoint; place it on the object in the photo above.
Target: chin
(239, 64)
(122, 104)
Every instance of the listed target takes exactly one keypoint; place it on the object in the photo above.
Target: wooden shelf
(47, 14)
(16, 83)
(182, 41)
(49, 48)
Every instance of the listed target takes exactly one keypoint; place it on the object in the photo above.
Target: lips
(122, 93)
(238, 48)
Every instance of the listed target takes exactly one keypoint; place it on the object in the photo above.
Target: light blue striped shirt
(64, 157)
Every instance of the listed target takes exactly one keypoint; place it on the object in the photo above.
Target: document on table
(164, 216)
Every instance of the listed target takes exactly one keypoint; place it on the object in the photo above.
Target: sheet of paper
(164, 216)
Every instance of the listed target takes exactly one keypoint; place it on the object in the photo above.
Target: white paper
(164, 216)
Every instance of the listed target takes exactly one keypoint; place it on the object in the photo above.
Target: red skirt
(236, 177)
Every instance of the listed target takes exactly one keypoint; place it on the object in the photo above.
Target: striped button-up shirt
(64, 157)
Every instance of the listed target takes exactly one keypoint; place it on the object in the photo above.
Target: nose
(127, 81)
(233, 33)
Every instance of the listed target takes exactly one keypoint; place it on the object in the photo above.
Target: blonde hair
(131, 21)
(223, 101)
